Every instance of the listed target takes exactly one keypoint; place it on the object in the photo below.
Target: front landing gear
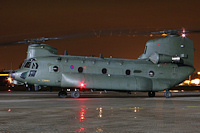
(151, 93)
(168, 94)
(75, 94)
(62, 94)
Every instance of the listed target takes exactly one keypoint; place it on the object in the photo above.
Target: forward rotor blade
(99, 33)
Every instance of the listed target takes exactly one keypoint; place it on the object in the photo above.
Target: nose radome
(12, 75)
(18, 75)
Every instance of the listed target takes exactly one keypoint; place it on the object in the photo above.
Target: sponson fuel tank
(112, 82)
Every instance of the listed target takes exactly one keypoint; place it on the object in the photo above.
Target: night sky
(23, 19)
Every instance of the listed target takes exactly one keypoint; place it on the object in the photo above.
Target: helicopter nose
(18, 75)
(12, 75)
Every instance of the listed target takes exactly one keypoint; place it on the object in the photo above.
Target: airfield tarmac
(112, 112)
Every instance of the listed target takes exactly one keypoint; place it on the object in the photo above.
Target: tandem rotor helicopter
(166, 62)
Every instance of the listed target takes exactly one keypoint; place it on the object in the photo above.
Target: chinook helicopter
(166, 62)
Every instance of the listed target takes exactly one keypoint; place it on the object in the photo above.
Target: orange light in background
(164, 35)
(9, 79)
(187, 82)
(198, 73)
(195, 81)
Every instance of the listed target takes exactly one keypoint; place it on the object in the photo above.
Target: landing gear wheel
(29, 88)
(62, 94)
(75, 94)
(151, 93)
(168, 94)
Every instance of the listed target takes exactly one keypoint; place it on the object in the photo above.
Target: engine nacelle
(161, 58)
(170, 49)
(39, 50)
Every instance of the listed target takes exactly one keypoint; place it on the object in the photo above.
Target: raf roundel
(72, 67)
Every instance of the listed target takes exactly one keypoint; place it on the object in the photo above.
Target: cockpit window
(35, 66)
(145, 50)
(27, 65)
(32, 73)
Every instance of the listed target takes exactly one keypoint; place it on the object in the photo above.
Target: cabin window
(104, 70)
(151, 73)
(182, 45)
(128, 72)
(80, 69)
(55, 68)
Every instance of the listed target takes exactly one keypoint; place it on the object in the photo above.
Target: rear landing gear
(168, 94)
(75, 94)
(62, 94)
(151, 93)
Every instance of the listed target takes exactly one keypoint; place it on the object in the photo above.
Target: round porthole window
(151, 73)
(128, 72)
(104, 70)
(80, 69)
(55, 69)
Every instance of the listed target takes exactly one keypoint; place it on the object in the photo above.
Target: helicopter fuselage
(101, 73)
(165, 63)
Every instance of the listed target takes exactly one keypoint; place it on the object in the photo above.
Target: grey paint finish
(165, 63)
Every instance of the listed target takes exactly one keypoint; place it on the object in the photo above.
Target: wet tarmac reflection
(100, 112)
(34, 113)
(82, 123)
(150, 111)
